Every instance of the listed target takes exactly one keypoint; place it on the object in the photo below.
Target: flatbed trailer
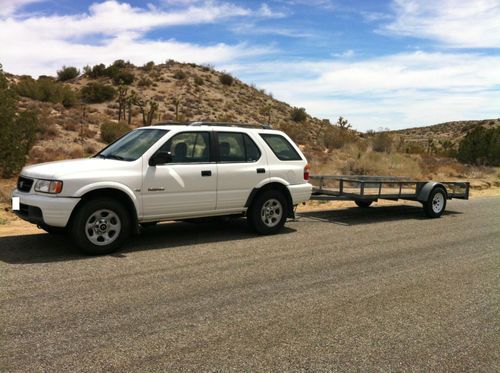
(364, 190)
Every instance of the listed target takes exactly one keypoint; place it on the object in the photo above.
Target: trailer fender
(426, 189)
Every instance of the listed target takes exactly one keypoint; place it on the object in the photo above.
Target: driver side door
(187, 184)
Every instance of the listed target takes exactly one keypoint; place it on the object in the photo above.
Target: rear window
(281, 147)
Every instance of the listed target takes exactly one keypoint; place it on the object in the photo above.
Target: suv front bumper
(45, 209)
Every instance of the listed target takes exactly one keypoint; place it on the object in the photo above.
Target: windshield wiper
(111, 156)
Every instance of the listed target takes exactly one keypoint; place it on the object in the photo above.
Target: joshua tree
(122, 100)
(343, 123)
(177, 102)
(147, 109)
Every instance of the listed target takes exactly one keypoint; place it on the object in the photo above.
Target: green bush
(67, 73)
(481, 146)
(198, 80)
(96, 71)
(299, 114)
(180, 75)
(148, 66)
(123, 77)
(226, 79)
(112, 131)
(46, 89)
(95, 92)
(17, 131)
(382, 142)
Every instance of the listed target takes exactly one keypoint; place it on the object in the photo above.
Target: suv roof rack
(231, 124)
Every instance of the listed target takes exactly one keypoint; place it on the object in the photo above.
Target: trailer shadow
(356, 216)
(45, 248)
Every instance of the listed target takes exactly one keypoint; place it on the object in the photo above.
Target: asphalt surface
(382, 289)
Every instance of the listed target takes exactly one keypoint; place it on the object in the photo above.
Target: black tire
(80, 234)
(363, 204)
(149, 224)
(436, 203)
(275, 216)
(53, 230)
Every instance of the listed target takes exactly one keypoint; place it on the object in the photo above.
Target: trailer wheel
(436, 203)
(363, 204)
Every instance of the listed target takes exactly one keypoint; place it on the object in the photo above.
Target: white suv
(167, 172)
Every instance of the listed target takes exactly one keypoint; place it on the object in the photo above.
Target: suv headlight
(49, 186)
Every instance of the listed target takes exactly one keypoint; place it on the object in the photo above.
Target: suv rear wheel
(100, 226)
(268, 212)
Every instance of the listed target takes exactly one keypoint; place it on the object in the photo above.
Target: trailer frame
(367, 189)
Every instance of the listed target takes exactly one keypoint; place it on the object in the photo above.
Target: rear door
(241, 166)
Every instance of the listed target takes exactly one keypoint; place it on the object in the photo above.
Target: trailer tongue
(364, 190)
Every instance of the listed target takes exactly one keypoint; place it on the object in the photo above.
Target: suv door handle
(261, 170)
(206, 173)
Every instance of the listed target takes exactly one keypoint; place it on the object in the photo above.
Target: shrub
(123, 77)
(180, 75)
(382, 142)
(198, 80)
(299, 114)
(144, 82)
(226, 79)
(111, 131)
(47, 89)
(481, 146)
(96, 71)
(97, 92)
(335, 137)
(67, 73)
(148, 66)
(17, 132)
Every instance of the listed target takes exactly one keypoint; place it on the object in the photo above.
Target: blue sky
(393, 64)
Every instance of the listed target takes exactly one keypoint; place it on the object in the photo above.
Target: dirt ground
(11, 225)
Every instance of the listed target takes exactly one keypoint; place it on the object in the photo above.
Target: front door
(187, 185)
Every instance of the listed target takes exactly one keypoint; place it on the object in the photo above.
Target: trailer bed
(367, 189)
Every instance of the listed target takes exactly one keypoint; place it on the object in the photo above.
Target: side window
(237, 147)
(188, 147)
(281, 147)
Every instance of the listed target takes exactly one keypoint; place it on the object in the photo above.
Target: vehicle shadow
(45, 248)
(355, 216)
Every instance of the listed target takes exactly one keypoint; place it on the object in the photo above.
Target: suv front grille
(24, 184)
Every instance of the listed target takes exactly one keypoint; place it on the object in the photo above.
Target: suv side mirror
(160, 158)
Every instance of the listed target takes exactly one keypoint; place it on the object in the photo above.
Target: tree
(17, 131)
(343, 123)
(122, 98)
(147, 108)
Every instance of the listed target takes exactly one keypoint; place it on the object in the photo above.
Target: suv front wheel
(268, 212)
(100, 226)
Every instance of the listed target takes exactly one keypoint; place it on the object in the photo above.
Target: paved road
(383, 289)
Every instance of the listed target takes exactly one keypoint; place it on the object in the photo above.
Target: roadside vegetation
(79, 111)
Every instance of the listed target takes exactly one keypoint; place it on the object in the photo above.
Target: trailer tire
(436, 203)
(363, 204)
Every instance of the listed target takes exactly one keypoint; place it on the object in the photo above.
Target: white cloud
(41, 44)
(394, 91)
(454, 23)
(8, 7)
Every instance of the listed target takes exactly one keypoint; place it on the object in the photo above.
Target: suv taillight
(306, 172)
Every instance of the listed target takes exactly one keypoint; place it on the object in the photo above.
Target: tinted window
(237, 147)
(281, 147)
(133, 145)
(188, 147)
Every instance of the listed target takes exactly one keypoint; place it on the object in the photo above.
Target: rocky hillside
(182, 92)
(448, 134)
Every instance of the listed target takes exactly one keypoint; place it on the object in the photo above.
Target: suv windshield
(133, 145)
